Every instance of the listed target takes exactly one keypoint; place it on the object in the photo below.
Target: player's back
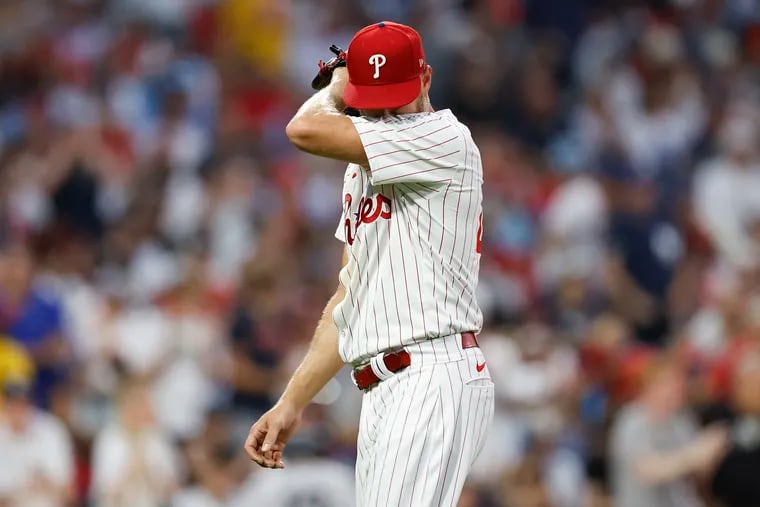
(412, 224)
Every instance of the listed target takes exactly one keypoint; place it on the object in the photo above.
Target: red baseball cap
(384, 62)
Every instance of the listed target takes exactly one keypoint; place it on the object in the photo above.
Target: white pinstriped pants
(421, 429)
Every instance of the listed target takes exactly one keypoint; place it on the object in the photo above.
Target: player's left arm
(268, 436)
(320, 128)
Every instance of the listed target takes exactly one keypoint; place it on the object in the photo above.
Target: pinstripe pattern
(410, 223)
(422, 429)
(412, 276)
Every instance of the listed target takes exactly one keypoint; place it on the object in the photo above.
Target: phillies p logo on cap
(378, 61)
(384, 61)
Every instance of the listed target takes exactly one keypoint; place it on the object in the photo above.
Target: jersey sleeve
(421, 149)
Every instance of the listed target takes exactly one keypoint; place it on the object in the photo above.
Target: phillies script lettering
(370, 209)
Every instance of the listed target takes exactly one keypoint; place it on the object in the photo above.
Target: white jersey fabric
(411, 223)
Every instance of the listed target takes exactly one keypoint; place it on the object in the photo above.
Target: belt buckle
(355, 370)
(362, 369)
(378, 369)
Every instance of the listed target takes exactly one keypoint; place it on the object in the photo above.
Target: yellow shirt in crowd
(15, 363)
(258, 30)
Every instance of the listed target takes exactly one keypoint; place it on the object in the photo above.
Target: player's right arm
(320, 128)
(268, 436)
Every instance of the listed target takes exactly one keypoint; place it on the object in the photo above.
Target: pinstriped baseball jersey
(411, 223)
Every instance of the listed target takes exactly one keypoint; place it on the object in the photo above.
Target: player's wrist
(292, 402)
(339, 75)
(338, 85)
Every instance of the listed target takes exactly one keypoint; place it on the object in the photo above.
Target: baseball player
(404, 315)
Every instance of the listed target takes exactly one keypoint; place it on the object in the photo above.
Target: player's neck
(421, 105)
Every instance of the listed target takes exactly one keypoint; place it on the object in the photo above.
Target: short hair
(657, 366)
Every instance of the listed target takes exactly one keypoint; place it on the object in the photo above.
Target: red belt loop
(469, 340)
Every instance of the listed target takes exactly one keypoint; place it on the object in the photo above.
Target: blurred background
(165, 253)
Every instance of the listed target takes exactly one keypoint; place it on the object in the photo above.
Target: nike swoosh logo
(480, 367)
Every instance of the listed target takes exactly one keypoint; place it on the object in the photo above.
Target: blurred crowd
(165, 253)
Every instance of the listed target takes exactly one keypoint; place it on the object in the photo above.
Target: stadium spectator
(735, 480)
(656, 449)
(215, 464)
(15, 363)
(32, 314)
(36, 454)
(133, 462)
(309, 478)
(726, 188)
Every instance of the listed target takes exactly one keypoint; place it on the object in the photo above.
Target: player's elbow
(303, 135)
(331, 136)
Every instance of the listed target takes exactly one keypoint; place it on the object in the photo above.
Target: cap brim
(389, 96)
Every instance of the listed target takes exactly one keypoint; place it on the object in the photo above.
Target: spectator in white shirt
(36, 457)
(658, 110)
(306, 481)
(134, 463)
(216, 464)
(726, 190)
(310, 477)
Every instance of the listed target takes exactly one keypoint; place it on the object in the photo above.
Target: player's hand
(270, 433)
(326, 69)
(340, 76)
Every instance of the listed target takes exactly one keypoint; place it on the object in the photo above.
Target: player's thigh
(433, 427)
(473, 393)
(373, 414)
(478, 397)
(410, 432)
